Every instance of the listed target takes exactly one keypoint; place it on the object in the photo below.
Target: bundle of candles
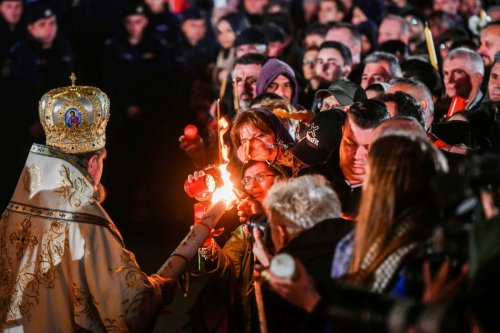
(217, 182)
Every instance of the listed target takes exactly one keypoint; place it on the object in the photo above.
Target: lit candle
(190, 132)
(236, 96)
(200, 209)
(430, 47)
(247, 150)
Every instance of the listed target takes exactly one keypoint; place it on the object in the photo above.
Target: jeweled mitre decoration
(74, 118)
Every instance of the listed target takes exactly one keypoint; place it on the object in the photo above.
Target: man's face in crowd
(328, 12)
(246, 79)
(354, 151)
(375, 72)
(391, 30)
(449, 6)
(135, 25)
(457, 77)
(343, 35)
(490, 44)
(44, 30)
(281, 86)
(255, 7)
(194, 30)
(471, 7)
(313, 40)
(494, 83)
(11, 11)
(329, 102)
(330, 65)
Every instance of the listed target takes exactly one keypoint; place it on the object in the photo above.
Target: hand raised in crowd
(443, 286)
(300, 291)
(201, 195)
(248, 207)
(195, 149)
(259, 249)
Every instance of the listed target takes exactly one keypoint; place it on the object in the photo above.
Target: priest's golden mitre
(74, 118)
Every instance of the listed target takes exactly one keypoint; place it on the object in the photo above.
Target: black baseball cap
(346, 92)
(38, 11)
(135, 10)
(192, 14)
(322, 138)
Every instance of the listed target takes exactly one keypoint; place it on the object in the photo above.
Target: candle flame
(223, 128)
(225, 192)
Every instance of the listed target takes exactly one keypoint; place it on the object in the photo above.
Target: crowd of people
(363, 135)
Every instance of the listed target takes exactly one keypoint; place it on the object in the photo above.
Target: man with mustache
(246, 72)
(490, 43)
(494, 82)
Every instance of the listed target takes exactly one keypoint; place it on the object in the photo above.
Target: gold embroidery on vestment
(72, 188)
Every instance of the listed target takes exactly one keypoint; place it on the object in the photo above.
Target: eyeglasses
(310, 62)
(330, 62)
(258, 178)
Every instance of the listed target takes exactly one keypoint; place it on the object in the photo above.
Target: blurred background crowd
(376, 96)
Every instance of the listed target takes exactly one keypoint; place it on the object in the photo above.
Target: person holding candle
(390, 229)
(257, 134)
(229, 291)
(304, 219)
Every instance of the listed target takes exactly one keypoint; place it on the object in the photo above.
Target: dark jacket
(315, 248)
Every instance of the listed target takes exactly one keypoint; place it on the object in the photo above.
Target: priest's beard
(99, 193)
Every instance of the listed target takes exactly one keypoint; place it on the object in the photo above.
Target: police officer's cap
(37, 12)
(135, 10)
(192, 14)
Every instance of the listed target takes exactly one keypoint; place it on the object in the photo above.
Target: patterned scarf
(386, 270)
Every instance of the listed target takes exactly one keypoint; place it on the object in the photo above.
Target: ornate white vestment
(63, 265)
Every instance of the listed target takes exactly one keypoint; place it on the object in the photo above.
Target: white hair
(302, 202)
(473, 57)
(390, 58)
(405, 27)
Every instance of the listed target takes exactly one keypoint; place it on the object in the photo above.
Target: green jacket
(233, 268)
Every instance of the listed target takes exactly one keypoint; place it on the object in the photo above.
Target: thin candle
(430, 47)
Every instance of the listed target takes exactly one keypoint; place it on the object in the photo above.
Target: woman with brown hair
(398, 209)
